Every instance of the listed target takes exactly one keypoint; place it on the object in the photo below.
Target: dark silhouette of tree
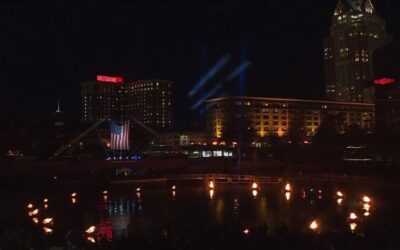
(238, 129)
(326, 141)
(355, 135)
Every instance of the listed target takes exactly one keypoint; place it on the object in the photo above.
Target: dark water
(232, 208)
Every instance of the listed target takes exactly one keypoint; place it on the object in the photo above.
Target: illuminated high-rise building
(103, 99)
(356, 31)
(283, 117)
(146, 101)
(149, 101)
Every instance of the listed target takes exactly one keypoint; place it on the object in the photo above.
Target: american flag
(119, 136)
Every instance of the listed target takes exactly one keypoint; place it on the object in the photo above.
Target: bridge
(216, 178)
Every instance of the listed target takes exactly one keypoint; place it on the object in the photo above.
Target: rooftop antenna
(58, 106)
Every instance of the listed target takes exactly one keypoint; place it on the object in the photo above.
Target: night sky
(48, 49)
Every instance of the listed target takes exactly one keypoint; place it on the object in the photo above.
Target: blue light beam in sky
(237, 71)
(208, 95)
(210, 74)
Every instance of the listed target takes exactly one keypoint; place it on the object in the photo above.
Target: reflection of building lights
(35, 220)
(314, 225)
(246, 231)
(353, 226)
(366, 214)
(254, 192)
(287, 195)
(73, 200)
(173, 193)
(90, 230)
(211, 193)
(366, 206)
(46, 206)
(353, 216)
(105, 198)
(339, 201)
(91, 239)
(47, 230)
(211, 185)
(288, 188)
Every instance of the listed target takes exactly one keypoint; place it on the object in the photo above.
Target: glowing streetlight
(366, 207)
(254, 185)
(246, 231)
(339, 194)
(46, 200)
(30, 206)
(105, 192)
(173, 187)
(35, 220)
(73, 194)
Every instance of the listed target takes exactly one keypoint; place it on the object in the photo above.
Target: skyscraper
(356, 31)
(147, 101)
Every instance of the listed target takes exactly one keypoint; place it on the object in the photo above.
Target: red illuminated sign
(384, 81)
(113, 79)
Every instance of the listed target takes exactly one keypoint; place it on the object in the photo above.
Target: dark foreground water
(232, 216)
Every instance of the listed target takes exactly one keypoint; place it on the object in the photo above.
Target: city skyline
(91, 39)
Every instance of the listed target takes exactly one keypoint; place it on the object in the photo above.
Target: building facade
(282, 117)
(387, 87)
(147, 101)
(356, 31)
(150, 102)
